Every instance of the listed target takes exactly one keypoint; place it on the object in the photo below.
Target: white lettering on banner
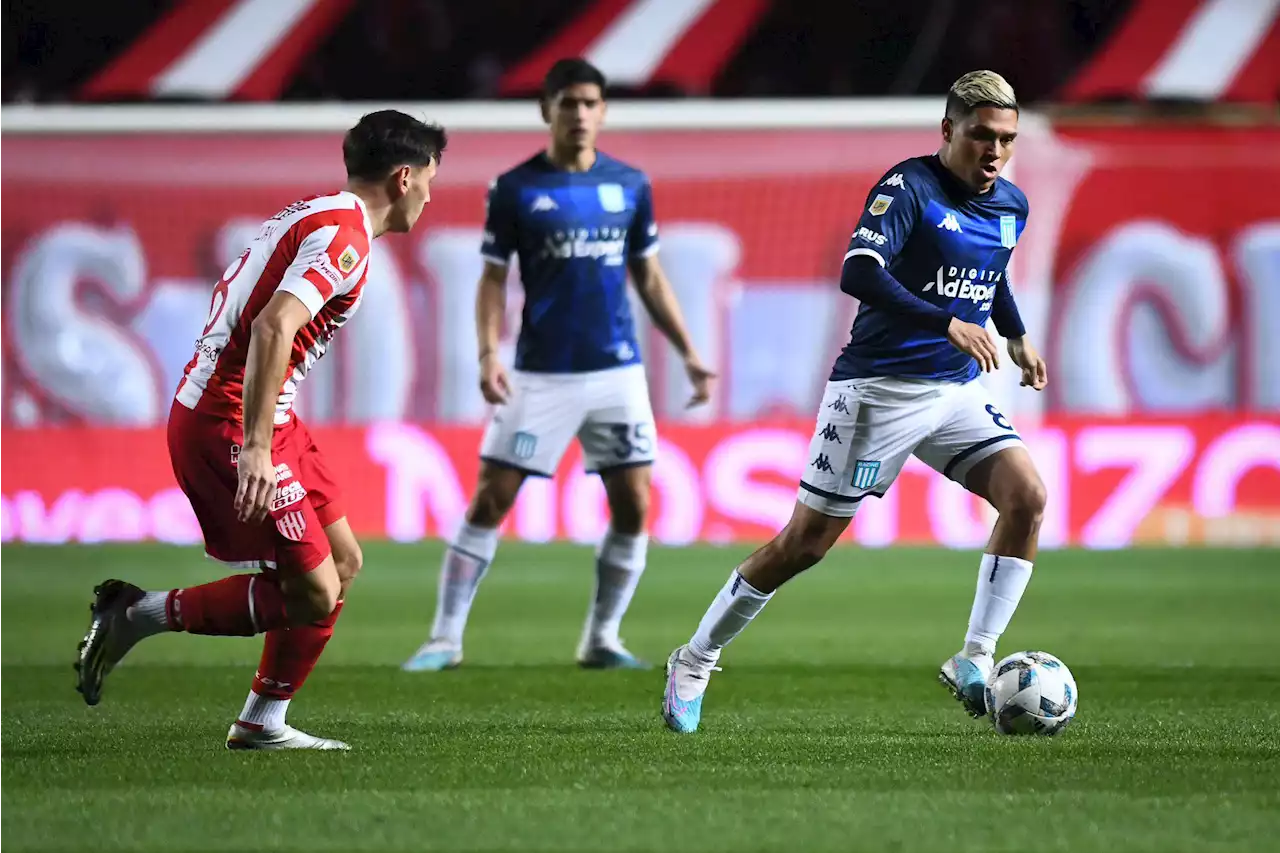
(1145, 324)
(107, 515)
(1155, 456)
(676, 485)
(82, 359)
(730, 468)
(1225, 462)
(1257, 256)
(534, 514)
(956, 519)
(421, 481)
(747, 480)
(876, 524)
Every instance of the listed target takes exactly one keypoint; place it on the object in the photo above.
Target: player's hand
(973, 339)
(701, 377)
(257, 484)
(1034, 372)
(493, 380)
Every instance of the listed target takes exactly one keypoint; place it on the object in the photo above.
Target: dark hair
(383, 141)
(570, 72)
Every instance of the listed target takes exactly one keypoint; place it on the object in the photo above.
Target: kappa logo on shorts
(292, 525)
(839, 405)
(865, 472)
(830, 434)
(523, 445)
(822, 463)
(288, 495)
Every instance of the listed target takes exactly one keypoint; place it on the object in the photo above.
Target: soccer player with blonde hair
(928, 263)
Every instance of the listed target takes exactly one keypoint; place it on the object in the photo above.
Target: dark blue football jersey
(946, 244)
(573, 233)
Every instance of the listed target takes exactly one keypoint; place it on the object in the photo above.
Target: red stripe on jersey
(573, 40)
(322, 284)
(709, 43)
(1259, 79)
(224, 389)
(133, 72)
(267, 81)
(1118, 69)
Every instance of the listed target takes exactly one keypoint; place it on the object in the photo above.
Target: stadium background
(1149, 276)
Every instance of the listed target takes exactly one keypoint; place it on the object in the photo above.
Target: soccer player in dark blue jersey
(579, 221)
(928, 262)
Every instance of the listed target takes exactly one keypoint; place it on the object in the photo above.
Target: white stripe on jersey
(302, 250)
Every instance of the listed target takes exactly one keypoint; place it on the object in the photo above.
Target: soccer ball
(1031, 693)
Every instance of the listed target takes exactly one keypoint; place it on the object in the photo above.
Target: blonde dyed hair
(980, 89)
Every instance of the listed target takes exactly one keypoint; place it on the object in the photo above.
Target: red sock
(289, 655)
(238, 606)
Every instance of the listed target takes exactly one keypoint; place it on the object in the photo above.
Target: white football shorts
(867, 428)
(608, 411)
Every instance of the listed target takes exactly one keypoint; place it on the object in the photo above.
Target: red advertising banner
(1110, 484)
(1149, 273)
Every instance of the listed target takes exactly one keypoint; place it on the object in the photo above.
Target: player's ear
(544, 106)
(947, 128)
(402, 177)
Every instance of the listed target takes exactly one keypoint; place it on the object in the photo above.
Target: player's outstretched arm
(663, 307)
(491, 307)
(270, 344)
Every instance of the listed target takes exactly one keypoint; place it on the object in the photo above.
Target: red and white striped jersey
(318, 250)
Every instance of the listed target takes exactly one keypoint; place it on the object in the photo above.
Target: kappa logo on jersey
(865, 472)
(880, 204)
(961, 285)
(894, 180)
(830, 434)
(612, 199)
(292, 525)
(348, 259)
(542, 204)
(1008, 231)
(949, 222)
(870, 236)
(823, 464)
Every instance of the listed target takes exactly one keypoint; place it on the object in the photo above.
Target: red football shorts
(204, 451)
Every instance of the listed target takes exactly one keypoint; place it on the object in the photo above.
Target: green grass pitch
(825, 731)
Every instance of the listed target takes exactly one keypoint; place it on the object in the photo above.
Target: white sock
(1001, 582)
(620, 561)
(263, 711)
(147, 614)
(465, 563)
(734, 606)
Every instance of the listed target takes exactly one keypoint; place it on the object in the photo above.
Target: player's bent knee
(1024, 497)
(311, 597)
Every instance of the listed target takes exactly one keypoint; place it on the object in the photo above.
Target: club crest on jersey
(348, 259)
(523, 445)
(865, 472)
(1008, 231)
(880, 204)
(611, 198)
(292, 525)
